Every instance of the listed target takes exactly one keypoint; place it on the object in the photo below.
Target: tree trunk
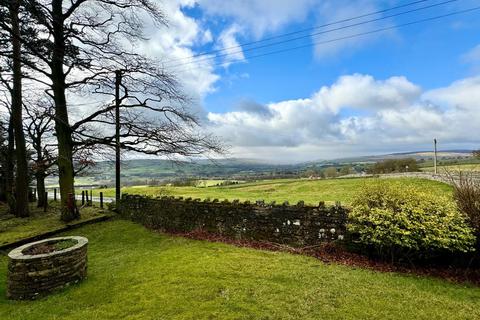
(21, 185)
(40, 172)
(41, 200)
(62, 126)
(10, 166)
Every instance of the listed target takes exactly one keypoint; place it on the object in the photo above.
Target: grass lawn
(13, 229)
(138, 274)
(292, 190)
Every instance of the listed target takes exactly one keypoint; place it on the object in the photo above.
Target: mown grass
(138, 274)
(13, 229)
(292, 190)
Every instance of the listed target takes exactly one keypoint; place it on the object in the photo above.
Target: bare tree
(8, 151)
(39, 129)
(80, 46)
(39, 126)
(154, 118)
(5, 183)
(9, 14)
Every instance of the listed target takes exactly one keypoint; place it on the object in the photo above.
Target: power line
(301, 31)
(311, 35)
(355, 35)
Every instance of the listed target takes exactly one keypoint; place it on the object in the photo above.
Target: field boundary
(296, 225)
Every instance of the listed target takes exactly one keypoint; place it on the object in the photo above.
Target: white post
(435, 155)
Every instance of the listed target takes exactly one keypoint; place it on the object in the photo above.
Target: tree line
(394, 165)
(54, 51)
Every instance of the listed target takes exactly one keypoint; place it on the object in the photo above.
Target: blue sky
(387, 92)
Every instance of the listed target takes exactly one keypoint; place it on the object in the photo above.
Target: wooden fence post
(91, 197)
(86, 197)
(101, 200)
(55, 194)
(83, 198)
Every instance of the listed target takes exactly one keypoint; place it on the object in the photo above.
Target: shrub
(466, 192)
(330, 172)
(404, 222)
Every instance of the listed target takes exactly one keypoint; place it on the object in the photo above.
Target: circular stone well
(31, 275)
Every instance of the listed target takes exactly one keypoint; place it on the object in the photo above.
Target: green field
(137, 274)
(292, 190)
(211, 183)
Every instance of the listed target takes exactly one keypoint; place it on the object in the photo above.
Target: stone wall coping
(17, 253)
(260, 203)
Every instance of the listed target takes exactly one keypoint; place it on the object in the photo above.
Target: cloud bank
(356, 114)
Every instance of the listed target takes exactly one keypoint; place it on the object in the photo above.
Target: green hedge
(405, 222)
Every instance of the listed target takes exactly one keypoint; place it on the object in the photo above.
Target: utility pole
(435, 155)
(118, 82)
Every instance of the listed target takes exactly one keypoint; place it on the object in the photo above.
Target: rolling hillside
(155, 171)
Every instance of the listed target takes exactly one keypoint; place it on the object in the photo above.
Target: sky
(389, 91)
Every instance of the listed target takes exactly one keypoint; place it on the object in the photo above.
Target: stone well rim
(17, 253)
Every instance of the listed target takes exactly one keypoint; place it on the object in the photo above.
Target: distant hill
(413, 154)
(153, 171)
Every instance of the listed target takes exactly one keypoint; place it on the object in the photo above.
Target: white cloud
(232, 51)
(363, 91)
(173, 45)
(462, 94)
(260, 17)
(256, 19)
(399, 117)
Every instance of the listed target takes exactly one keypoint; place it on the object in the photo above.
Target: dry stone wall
(297, 225)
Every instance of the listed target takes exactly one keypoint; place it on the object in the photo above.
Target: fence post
(55, 194)
(91, 197)
(45, 203)
(101, 200)
(83, 198)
